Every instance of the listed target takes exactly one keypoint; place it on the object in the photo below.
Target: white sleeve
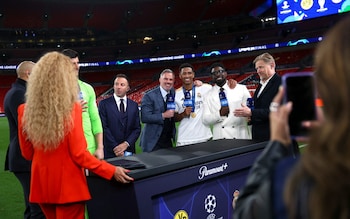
(211, 110)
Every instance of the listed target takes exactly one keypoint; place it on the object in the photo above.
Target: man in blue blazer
(157, 114)
(120, 120)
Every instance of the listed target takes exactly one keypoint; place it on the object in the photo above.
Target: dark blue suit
(15, 162)
(117, 129)
(13, 98)
(260, 114)
(152, 107)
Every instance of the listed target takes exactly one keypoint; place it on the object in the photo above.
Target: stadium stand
(217, 25)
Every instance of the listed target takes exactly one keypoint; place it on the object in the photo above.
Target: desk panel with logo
(195, 181)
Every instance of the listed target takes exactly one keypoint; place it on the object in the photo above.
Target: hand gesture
(188, 111)
(224, 111)
(244, 111)
(120, 148)
(83, 105)
(279, 119)
(120, 174)
(198, 83)
(99, 154)
(231, 83)
(168, 114)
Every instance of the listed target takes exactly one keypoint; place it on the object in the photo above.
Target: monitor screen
(297, 10)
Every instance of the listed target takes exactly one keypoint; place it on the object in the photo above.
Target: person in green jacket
(91, 120)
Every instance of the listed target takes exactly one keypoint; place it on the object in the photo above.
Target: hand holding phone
(299, 88)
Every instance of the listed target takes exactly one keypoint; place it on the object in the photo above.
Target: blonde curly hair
(51, 93)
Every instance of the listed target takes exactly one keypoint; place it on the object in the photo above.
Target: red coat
(58, 175)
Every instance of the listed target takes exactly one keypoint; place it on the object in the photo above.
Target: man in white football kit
(189, 109)
(219, 104)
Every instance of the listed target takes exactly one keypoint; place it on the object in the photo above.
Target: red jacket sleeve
(78, 149)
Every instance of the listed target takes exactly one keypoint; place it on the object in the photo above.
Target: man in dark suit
(120, 120)
(14, 160)
(270, 82)
(157, 113)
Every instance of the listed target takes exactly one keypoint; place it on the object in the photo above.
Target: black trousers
(32, 210)
(165, 139)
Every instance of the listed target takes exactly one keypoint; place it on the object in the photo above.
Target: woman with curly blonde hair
(51, 135)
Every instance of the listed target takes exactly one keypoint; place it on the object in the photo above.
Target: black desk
(195, 181)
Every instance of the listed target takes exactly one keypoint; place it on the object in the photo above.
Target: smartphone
(299, 88)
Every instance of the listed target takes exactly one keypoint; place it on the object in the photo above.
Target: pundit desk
(195, 181)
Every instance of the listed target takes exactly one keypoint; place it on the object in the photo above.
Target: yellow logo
(181, 214)
(306, 4)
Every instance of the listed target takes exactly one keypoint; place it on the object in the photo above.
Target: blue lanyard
(193, 96)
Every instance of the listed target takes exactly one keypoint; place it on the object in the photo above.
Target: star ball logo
(210, 203)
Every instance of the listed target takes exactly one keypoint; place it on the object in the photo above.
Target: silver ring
(274, 106)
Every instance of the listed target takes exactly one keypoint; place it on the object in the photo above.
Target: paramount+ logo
(204, 171)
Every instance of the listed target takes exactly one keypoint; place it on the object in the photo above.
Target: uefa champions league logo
(210, 203)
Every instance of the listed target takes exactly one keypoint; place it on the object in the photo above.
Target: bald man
(14, 161)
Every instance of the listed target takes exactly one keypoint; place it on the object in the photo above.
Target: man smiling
(189, 109)
(157, 113)
(219, 104)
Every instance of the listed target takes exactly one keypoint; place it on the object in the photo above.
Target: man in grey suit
(157, 114)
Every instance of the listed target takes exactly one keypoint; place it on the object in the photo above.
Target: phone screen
(299, 88)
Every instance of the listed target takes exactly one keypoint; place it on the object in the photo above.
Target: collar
(163, 92)
(183, 87)
(21, 81)
(267, 80)
(225, 86)
(117, 99)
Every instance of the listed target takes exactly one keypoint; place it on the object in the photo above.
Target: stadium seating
(144, 79)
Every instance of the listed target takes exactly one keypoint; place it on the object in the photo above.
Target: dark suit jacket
(152, 107)
(260, 114)
(13, 98)
(113, 127)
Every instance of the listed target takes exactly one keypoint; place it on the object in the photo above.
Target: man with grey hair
(15, 162)
(157, 113)
(270, 82)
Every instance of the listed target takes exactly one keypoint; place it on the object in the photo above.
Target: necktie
(166, 101)
(222, 94)
(222, 97)
(121, 106)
